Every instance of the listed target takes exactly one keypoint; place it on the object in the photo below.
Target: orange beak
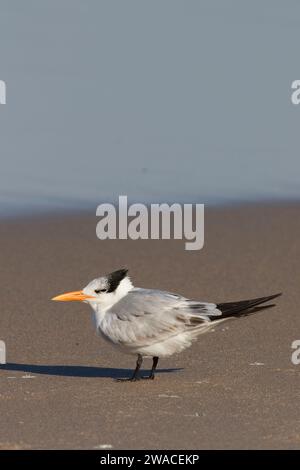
(76, 296)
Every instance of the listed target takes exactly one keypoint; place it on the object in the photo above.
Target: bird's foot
(130, 379)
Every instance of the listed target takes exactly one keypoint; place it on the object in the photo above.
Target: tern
(149, 322)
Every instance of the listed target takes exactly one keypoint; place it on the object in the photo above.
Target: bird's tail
(244, 307)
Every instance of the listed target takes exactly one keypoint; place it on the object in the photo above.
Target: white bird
(150, 322)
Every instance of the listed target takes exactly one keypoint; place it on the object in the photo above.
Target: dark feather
(115, 278)
(242, 307)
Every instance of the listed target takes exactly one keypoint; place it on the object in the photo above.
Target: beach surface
(236, 387)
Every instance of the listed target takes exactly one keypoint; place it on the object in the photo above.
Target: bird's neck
(99, 310)
(123, 288)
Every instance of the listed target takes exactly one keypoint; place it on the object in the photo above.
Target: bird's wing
(142, 302)
(150, 315)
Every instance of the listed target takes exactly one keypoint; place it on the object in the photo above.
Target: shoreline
(90, 209)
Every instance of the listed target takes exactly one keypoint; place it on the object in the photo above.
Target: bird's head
(104, 291)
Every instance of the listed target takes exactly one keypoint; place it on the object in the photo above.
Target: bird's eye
(97, 291)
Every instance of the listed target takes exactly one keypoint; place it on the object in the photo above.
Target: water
(2, 352)
(160, 101)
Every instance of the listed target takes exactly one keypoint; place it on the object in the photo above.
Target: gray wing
(144, 316)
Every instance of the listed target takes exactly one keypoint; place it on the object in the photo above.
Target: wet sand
(235, 388)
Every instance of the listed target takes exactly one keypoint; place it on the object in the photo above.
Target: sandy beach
(235, 388)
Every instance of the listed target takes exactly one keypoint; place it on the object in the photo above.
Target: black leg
(154, 365)
(135, 373)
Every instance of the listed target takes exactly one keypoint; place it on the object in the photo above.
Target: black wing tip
(267, 298)
(274, 296)
(242, 307)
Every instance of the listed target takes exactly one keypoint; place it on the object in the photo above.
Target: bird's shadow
(77, 371)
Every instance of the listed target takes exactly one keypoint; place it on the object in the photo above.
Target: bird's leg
(137, 368)
(136, 371)
(154, 365)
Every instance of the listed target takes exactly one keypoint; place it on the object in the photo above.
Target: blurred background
(161, 100)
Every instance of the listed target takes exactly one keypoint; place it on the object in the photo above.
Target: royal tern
(150, 322)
